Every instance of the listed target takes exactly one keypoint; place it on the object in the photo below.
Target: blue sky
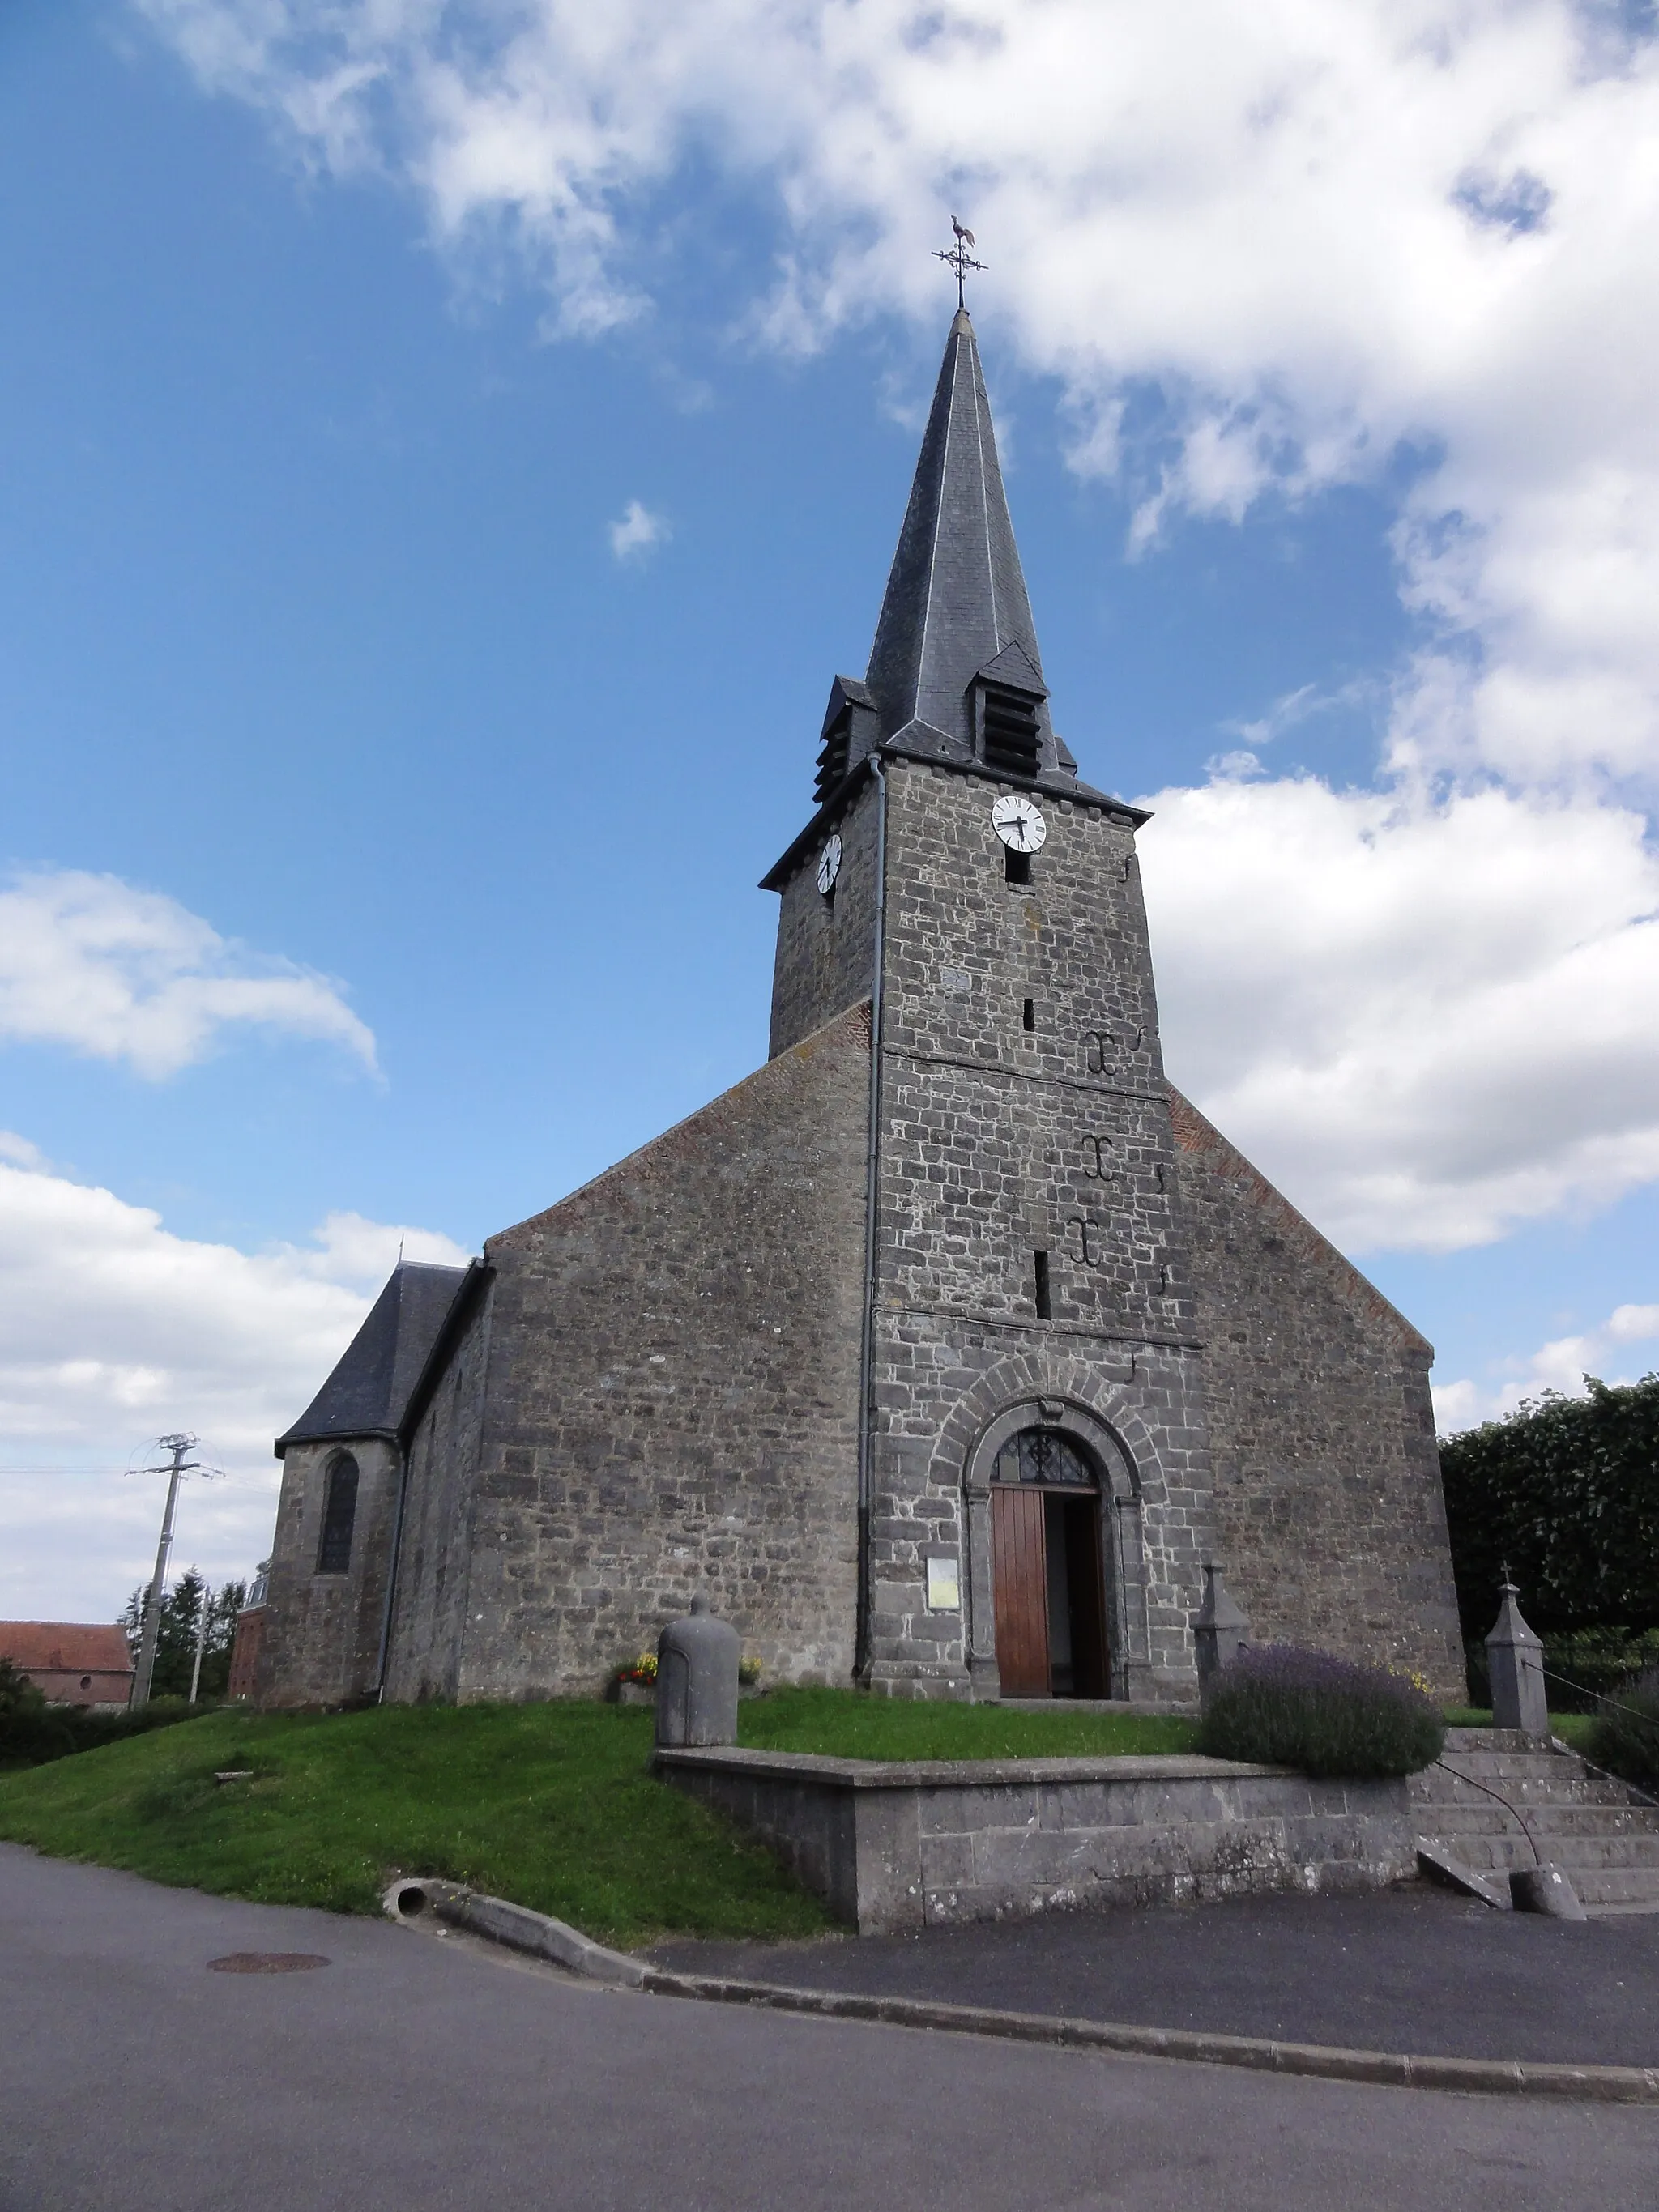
(312, 624)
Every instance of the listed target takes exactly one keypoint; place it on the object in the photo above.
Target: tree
(1566, 1491)
(175, 1646)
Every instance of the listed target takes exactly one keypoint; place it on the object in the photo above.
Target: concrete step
(1438, 1787)
(1579, 1854)
(1557, 1820)
(1489, 1739)
(1628, 1889)
(1540, 1766)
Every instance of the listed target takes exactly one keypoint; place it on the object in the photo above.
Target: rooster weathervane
(958, 258)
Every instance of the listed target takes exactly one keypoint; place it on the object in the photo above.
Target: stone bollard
(1220, 1630)
(697, 1679)
(1515, 1660)
(1545, 1889)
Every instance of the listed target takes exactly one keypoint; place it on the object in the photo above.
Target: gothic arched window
(339, 1518)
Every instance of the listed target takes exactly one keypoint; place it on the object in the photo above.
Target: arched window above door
(1045, 1456)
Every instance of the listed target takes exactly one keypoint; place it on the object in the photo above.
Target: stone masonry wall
(998, 1142)
(320, 1644)
(670, 1402)
(429, 1611)
(1331, 1522)
(827, 947)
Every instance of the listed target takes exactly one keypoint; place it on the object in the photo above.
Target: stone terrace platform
(894, 1846)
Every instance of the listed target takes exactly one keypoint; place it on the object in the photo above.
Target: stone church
(942, 1352)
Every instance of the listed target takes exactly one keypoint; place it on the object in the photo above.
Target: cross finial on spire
(959, 260)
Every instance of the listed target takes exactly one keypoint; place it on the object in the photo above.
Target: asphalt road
(1416, 1969)
(412, 2074)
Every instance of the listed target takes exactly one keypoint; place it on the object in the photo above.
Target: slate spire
(956, 599)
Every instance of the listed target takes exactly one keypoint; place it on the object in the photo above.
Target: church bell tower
(1035, 1499)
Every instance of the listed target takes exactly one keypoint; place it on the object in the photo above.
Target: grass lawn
(1571, 1727)
(843, 1725)
(551, 1805)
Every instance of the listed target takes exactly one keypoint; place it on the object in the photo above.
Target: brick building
(942, 1351)
(72, 1663)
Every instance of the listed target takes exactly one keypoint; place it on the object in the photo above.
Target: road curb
(517, 1928)
(1607, 2085)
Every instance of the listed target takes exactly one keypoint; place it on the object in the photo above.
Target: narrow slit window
(339, 1518)
(1045, 1311)
(1016, 867)
(1028, 1017)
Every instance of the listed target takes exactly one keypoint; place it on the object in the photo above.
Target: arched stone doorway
(1056, 1586)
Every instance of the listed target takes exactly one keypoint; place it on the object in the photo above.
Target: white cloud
(1621, 1349)
(114, 1330)
(116, 973)
(1429, 1018)
(1357, 222)
(636, 532)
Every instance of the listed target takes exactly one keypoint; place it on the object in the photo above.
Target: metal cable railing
(1602, 1698)
(1515, 1810)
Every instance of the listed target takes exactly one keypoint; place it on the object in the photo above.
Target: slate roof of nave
(368, 1392)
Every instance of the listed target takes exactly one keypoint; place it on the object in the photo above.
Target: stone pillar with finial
(1514, 1661)
(1220, 1631)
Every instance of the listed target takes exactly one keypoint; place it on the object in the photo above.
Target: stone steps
(1602, 1834)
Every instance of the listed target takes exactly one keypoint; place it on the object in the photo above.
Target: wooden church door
(1046, 1570)
(1019, 1575)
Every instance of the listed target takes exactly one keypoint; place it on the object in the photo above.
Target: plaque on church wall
(943, 1586)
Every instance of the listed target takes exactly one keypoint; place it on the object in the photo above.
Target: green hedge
(1566, 1491)
(31, 1732)
(1328, 1717)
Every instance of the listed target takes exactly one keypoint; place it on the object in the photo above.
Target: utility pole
(181, 1467)
(201, 1641)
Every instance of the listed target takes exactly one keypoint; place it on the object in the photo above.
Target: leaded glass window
(339, 1518)
(1043, 1456)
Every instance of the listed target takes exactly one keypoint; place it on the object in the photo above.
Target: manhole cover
(265, 1962)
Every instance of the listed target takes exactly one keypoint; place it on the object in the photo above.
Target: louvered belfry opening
(1009, 731)
(833, 756)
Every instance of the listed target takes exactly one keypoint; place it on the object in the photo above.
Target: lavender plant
(1327, 1717)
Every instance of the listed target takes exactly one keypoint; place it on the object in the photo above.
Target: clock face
(1018, 823)
(829, 865)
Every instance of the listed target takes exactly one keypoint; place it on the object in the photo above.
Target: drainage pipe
(872, 1226)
